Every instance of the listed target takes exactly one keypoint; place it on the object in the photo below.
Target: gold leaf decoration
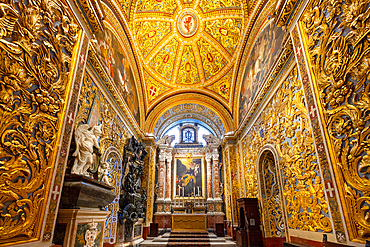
(212, 60)
(207, 5)
(154, 88)
(337, 35)
(222, 86)
(167, 6)
(150, 33)
(164, 60)
(188, 71)
(284, 123)
(226, 31)
(37, 39)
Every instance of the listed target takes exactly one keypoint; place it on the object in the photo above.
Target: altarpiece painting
(189, 175)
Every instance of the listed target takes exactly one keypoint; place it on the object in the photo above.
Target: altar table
(189, 222)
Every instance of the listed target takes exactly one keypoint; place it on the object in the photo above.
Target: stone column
(161, 178)
(169, 177)
(216, 174)
(209, 177)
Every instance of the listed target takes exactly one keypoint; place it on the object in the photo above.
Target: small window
(188, 135)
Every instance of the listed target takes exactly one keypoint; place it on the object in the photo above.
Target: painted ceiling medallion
(187, 23)
(188, 45)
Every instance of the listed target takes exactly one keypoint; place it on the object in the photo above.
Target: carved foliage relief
(228, 188)
(284, 123)
(95, 109)
(235, 185)
(337, 38)
(150, 187)
(36, 43)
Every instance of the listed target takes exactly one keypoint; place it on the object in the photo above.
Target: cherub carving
(86, 139)
(103, 171)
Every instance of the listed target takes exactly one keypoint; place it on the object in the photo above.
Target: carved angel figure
(211, 139)
(166, 139)
(86, 139)
(103, 171)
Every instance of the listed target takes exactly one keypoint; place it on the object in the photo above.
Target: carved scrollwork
(285, 124)
(36, 43)
(337, 37)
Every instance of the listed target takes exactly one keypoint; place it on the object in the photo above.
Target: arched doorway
(272, 211)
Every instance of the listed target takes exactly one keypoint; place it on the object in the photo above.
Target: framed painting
(189, 177)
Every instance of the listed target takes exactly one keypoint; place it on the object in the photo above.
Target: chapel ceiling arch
(188, 106)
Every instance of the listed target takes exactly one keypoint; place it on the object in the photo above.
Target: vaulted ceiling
(187, 46)
(188, 51)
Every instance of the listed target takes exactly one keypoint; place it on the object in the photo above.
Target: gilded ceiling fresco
(187, 45)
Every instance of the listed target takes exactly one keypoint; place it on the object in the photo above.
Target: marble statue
(211, 139)
(166, 140)
(86, 139)
(103, 171)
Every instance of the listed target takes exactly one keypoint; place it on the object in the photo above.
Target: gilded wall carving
(227, 182)
(95, 109)
(284, 123)
(37, 40)
(234, 183)
(336, 36)
(151, 186)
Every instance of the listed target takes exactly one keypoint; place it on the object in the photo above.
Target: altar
(189, 190)
(189, 222)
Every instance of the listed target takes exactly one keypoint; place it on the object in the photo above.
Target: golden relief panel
(34, 88)
(223, 86)
(149, 33)
(188, 71)
(207, 5)
(151, 189)
(234, 179)
(125, 5)
(226, 31)
(164, 60)
(165, 6)
(227, 182)
(284, 123)
(154, 88)
(212, 60)
(336, 35)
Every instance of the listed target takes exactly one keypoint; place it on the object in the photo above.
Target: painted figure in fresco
(86, 139)
(114, 58)
(106, 51)
(259, 63)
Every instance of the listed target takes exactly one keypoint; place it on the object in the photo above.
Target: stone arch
(270, 193)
